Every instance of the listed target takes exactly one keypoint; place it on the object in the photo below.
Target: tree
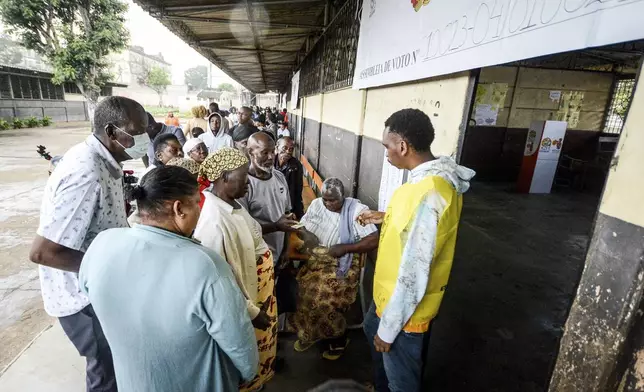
(154, 77)
(74, 36)
(196, 78)
(226, 87)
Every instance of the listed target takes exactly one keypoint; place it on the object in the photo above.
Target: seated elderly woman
(328, 283)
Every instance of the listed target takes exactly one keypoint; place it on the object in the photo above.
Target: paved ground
(518, 261)
(23, 174)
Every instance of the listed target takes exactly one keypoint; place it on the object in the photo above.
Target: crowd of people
(184, 294)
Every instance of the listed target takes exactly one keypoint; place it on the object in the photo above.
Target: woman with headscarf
(196, 150)
(217, 135)
(329, 285)
(197, 121)
(188, 164)
(228, 229)
(170, 308)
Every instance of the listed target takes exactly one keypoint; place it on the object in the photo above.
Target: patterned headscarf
(188, 164)
(220, 161)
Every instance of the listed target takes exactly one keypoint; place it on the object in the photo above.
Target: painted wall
(624, 193)
(342, 130)
(344, 109)
(603, 343)
(496, 151)
(444, 99)
(528, 96)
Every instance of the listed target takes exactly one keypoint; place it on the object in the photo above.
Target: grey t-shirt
(267, 201)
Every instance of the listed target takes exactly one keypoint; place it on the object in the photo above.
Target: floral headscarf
(223, 160)
(188, 164)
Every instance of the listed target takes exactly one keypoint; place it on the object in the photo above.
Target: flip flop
(335, 352)
(299, 346)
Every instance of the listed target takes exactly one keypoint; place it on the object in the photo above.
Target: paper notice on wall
(485, 114)
(390, 180)
(555, 96)
(490, 98)
(295, 89)
(570, 108)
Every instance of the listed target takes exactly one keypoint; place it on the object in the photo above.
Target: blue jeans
(401, 369)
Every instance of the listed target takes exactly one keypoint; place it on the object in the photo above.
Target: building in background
(26, 89)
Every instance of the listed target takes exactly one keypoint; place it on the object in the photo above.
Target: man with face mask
(83, 197)
(268, 199)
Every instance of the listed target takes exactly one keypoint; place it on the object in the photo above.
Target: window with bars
(621, 99)
(14, 86)
(331, 62)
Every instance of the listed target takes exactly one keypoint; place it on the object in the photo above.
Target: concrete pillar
(602, 348)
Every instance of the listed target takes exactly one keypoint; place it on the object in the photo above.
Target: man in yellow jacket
(416, 250)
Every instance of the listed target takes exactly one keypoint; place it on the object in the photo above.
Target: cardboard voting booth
(541, 156)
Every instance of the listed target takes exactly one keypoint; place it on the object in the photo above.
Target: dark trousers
(401, 369)
(85, 332)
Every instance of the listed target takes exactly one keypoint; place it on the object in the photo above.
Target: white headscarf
(190, 144)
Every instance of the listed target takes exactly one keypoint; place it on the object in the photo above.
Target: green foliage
(32, 122)
(196, 78)
(226, 87)
(17, 123)
(46, 121)
(4, 124)
(158, 79)
(162, 111)
(75, 36)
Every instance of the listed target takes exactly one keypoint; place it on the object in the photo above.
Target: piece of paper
(490, 98)
(486, 115)
(555, 96)
(390, 180)
(570, 108)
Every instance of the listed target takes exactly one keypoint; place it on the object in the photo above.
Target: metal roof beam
(238, 21)
(248, 49)
(251, 22)
(231, 38)
(214, 7)
(253, 62)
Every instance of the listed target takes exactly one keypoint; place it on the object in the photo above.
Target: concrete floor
(517, 264)
(23, 175)
(518, 261)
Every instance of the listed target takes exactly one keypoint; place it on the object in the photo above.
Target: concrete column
(602, 348)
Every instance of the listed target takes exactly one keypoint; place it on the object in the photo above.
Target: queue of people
(188, 297)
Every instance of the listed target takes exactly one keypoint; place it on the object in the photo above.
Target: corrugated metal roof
(255, 42)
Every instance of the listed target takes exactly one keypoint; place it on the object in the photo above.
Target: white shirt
(283, 133)
(83, 197)
(237, 237)
(325, 224)
(214, 143)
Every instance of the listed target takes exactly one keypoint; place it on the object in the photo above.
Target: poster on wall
(570, 108)
(409, 40)
(490, 98)
(390, 180)
(295, 89)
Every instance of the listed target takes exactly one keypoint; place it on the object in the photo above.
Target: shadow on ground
(306, 370)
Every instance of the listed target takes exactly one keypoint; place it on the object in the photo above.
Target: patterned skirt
(323, 298)
(266, 340)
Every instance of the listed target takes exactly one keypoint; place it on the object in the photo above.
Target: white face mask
(140, 147)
